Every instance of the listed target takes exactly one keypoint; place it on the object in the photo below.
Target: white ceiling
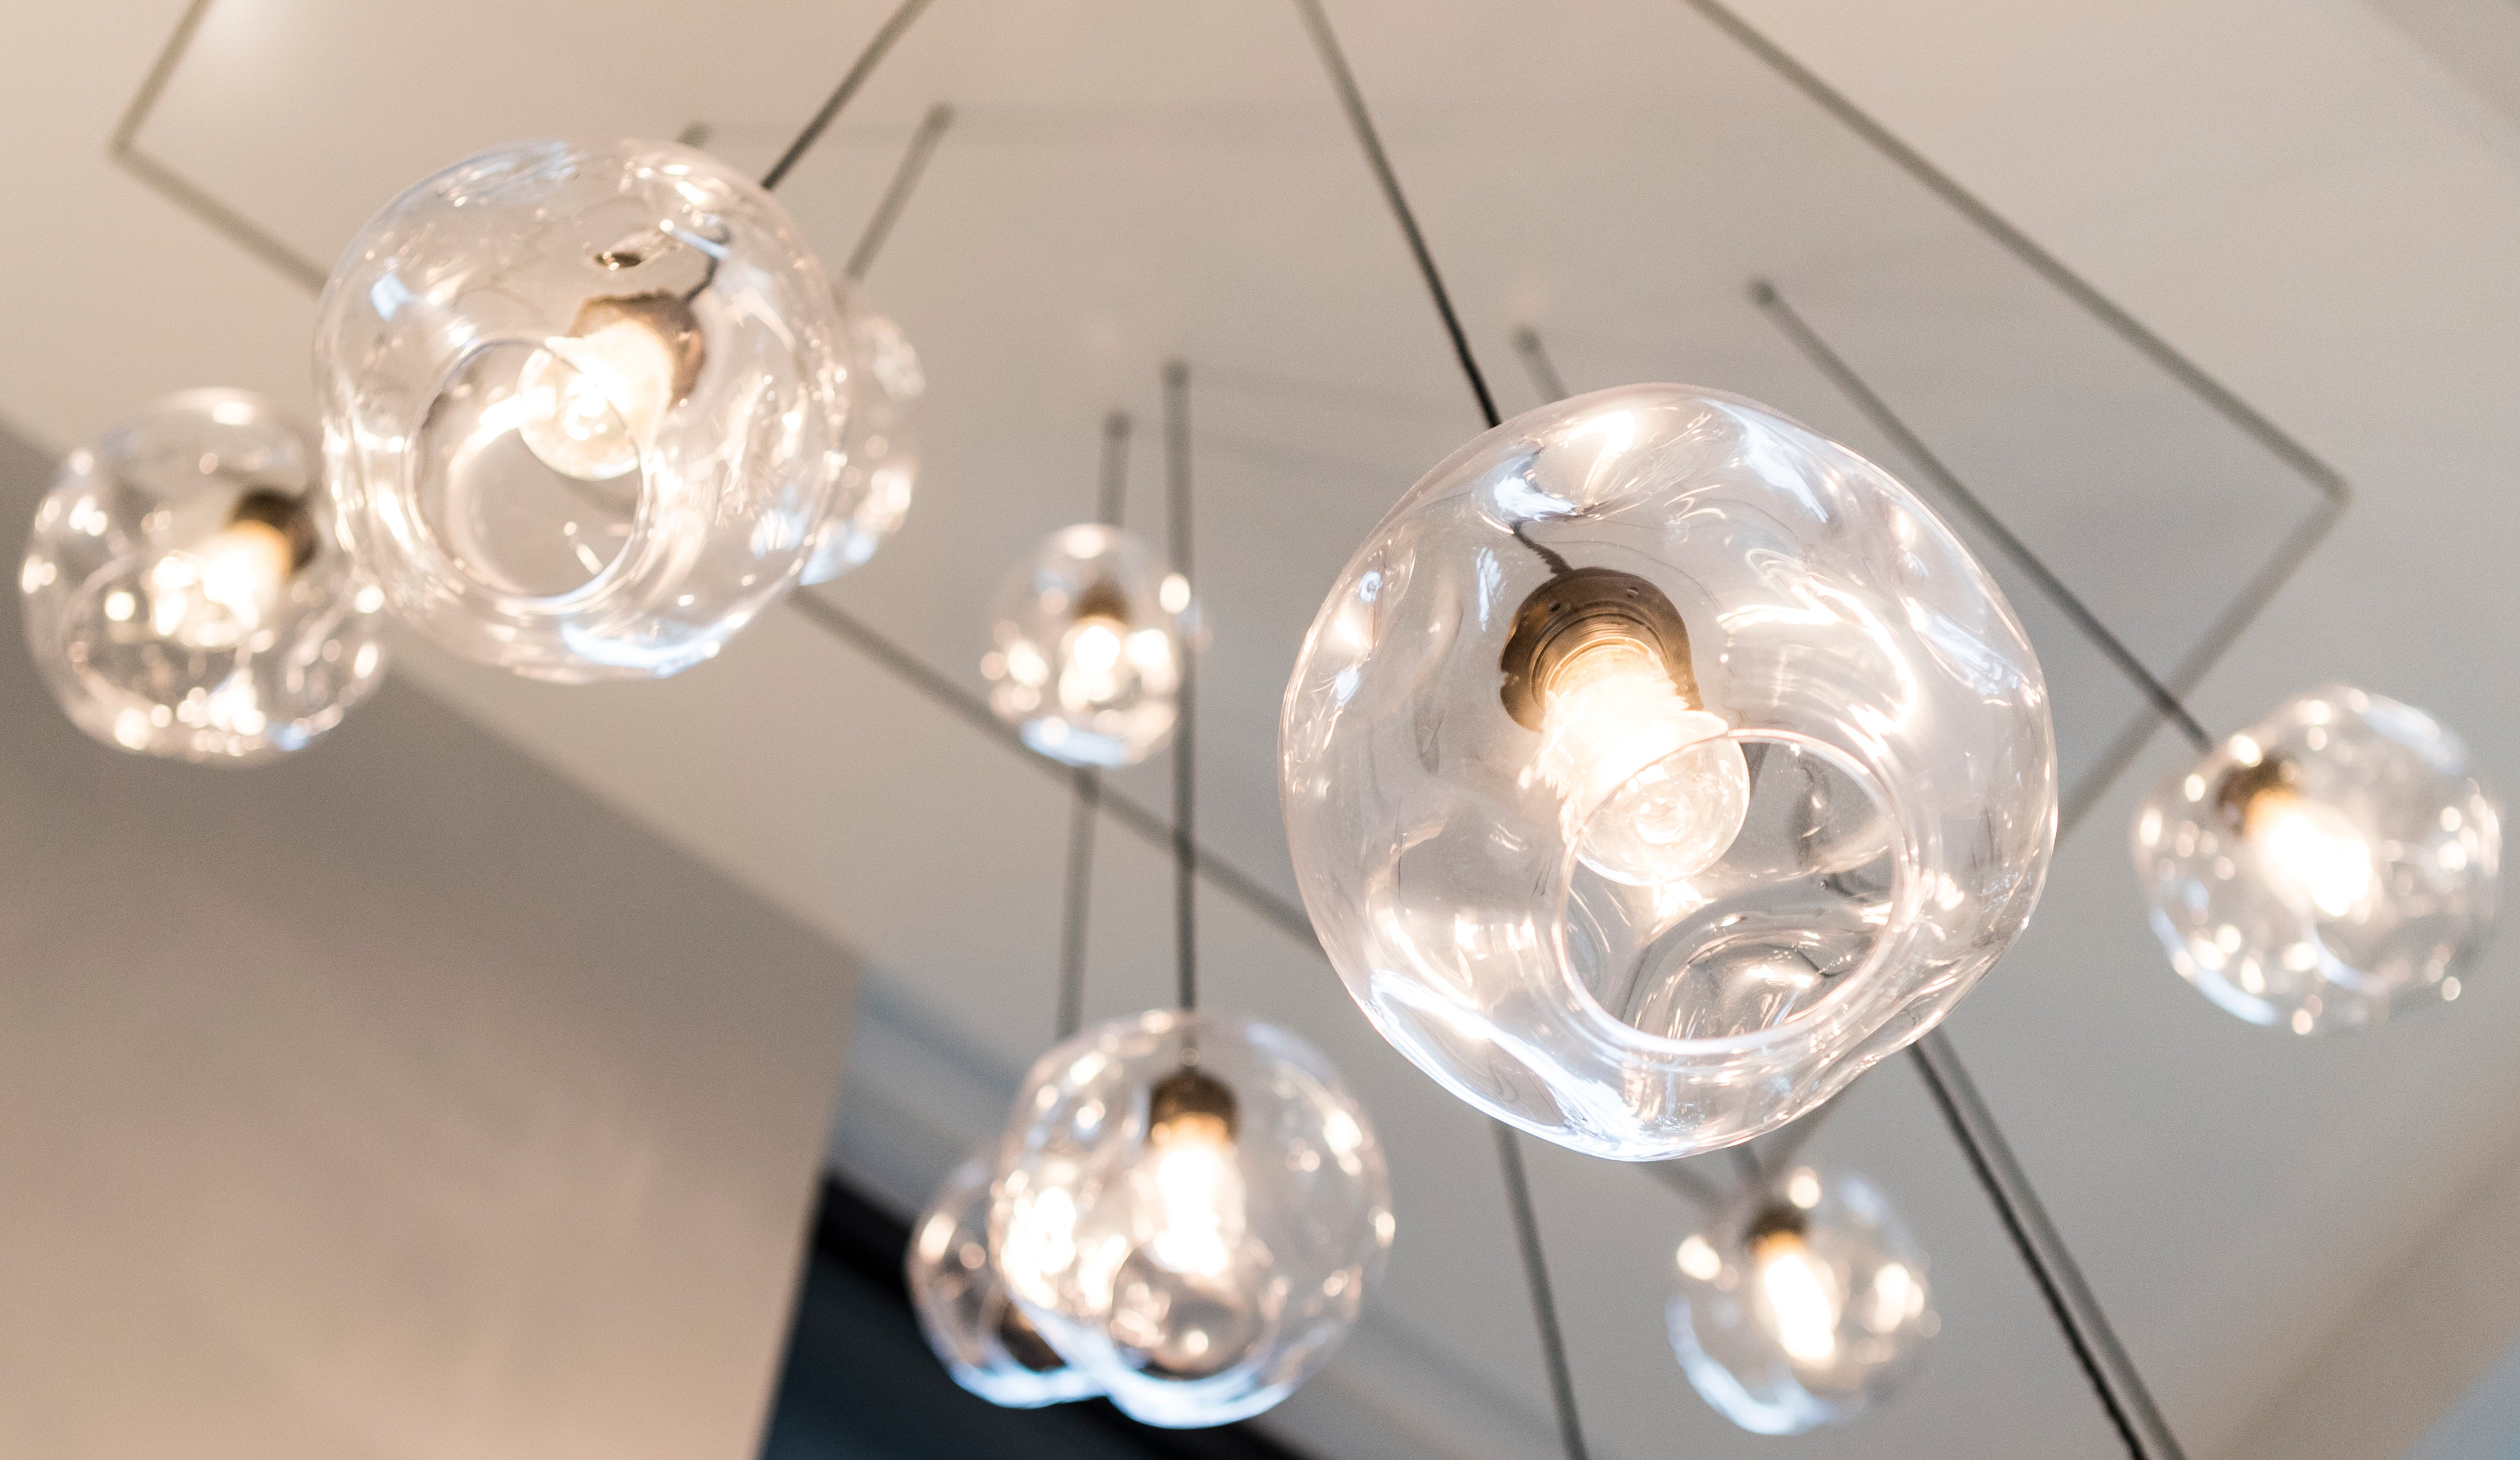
(2295, 197)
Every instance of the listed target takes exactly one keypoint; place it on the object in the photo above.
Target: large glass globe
(583, 405)
(986, 1342)
(1657, 766)
(1086, 651)
(1190, 1210)
(186, 594)
(1802, 1307)
(882, 444)
(2331, 863)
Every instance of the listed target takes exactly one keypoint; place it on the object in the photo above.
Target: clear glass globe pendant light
(2334, 862)
(184, 593)
(584, 406)
(1190, 1210)
(1800, 1307)
(1657, 766)
(986, 1342)
(881, 447)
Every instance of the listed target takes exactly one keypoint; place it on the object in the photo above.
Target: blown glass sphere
(1190, 1210)
(986, 1342)
(2332, 862)
(1657, 766)
(1800, 1307)
(583, 405)
(882, 442)
(1086, 654)
(184, 592)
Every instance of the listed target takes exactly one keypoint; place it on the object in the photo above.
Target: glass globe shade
(185, 595)
(1086, 648)
(986, 1342)
(1801, 1307)
(1190, 1210)
(2330, 863)
(881, 444)
(1657, 766)
(583, 406)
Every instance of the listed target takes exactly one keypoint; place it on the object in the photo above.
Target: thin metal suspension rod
(2113, 1376)
(1343, 81)
(864, 66)
(1185, 736)
(896, 193)
(1865, 399)
(1080, 901)
(1538, 365)
(1544, 1302)
(1112, 494)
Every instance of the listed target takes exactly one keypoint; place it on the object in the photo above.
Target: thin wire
(1843, 375)
(1080, 899)
(1536, 363)
(1112, 496)
(884, 36)
(1352, 101)
(896, 193)
(1185, 738)
(1544, 1302)
(1697, 1190)
(2112, 1374)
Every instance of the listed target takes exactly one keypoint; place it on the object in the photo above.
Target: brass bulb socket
(282, 514)
(1190, 1098)
(1579, 608)
(669, 317)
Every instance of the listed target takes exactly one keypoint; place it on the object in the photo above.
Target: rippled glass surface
(1801, 1308)
(1191, 1209)
(1657, 766)
(986, 1342)
(2332, 862)
(184, 593)
(583, 405)
(881, 443)
(1085, 655)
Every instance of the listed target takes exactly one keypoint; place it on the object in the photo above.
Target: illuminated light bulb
(218, 592)
(1650, 790)
(1787, 1316)
(593, 398)
(1196, 1176)
(1799, 1301)
(1089, 657)
(2311, 850)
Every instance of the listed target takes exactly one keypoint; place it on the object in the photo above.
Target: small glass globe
(185, 595)
(2331, 863)
(881, 443)
(1802, 1307)
(986, 1342)
(1086, 656)
(1191, 1209)
(1657, 766)
(583, 406)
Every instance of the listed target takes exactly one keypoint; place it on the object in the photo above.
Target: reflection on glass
(1191, 1211)
(185, 596)
(1086, 648)
(1657, 766)
(985, 1341)
(2332, 863)
(584, 406)
(1800, 1307)
(882, 470)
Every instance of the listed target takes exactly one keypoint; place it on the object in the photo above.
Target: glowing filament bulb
(592, 399)
(217, 592)
(1199, 1206)
(1089, 663)
(1798, 1298)
(1656, 790)
(2310, 851)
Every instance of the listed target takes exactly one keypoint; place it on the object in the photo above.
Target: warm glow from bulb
(1800, 1302)
(215, 593)
(1040, 1242)
(1089, 663)
(1658, 792)
(2312, 850)
(592, 401)
(1198, 1196)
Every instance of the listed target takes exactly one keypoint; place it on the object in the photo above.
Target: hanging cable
(1110, 494)
(1185, 767)
(1544, 1302)
(883, 40)
(2112, 1374)
(896, 193)
(1842, 375)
